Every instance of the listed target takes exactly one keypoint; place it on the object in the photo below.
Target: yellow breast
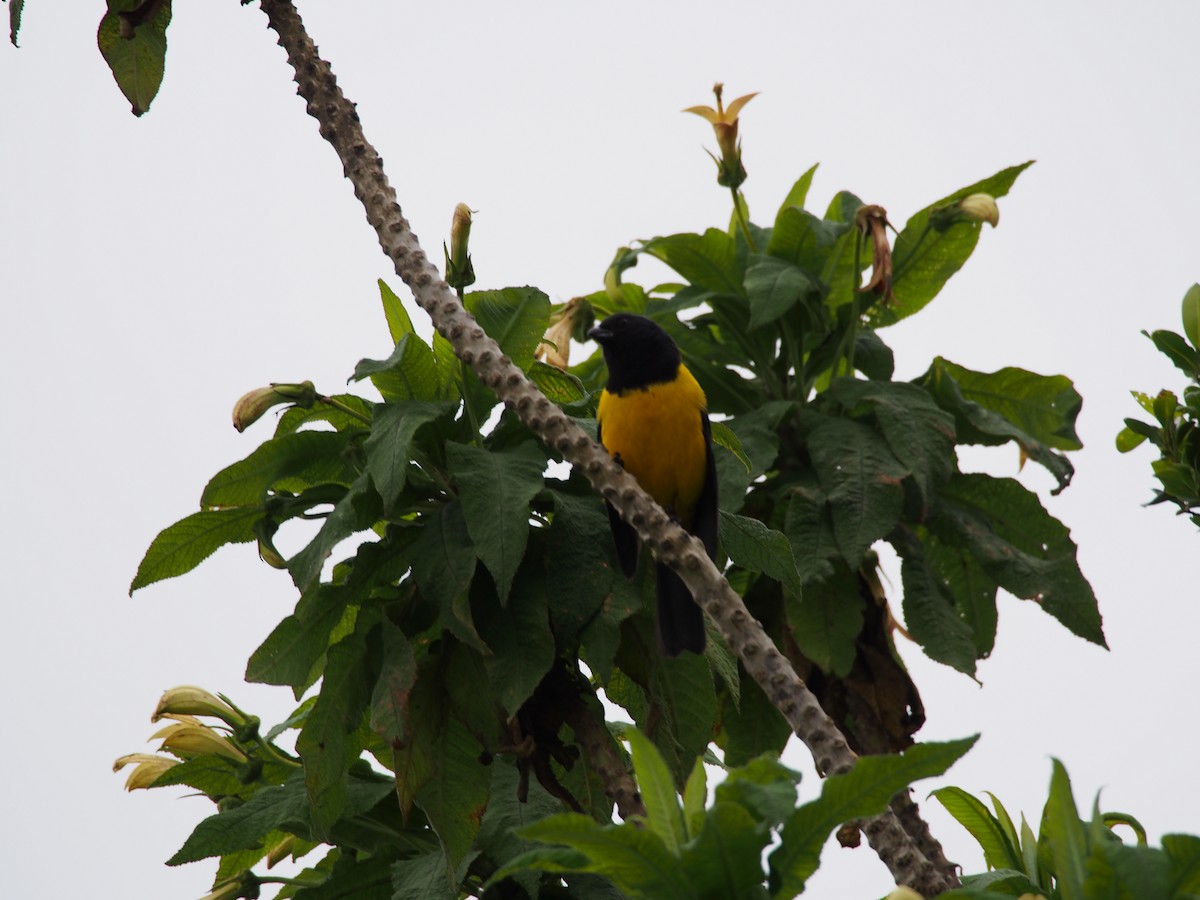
(659, 434)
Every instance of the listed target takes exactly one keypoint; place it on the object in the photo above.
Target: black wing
(624, 536)
(704, 521)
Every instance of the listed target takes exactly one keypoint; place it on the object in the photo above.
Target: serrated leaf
(863, 791)
(322, 744)
(723, 436)
(356, 511)
(390, 446)
(443, 556)
(752, 545)
(799, 192)
(455, 797)
(559, 386)
(410, 373)
(695, 797)
(998, 850)
(825, 622)
(15, 8)
(398, 320)
(495, 490)
(295, 417)
(181, 547)
(754, 727)
(657, 789)
(134, 50)
(764, 786)
(293, 648)
(682, 690)
(516, 318)
(519, 638)
(424, 877)
(861, 479)
(726, 859)
(773, 287)
(1027, 551)
(354, 877)
(930, 614)
(579, 562)
(924, 257)
(635, 860)
(708, 260)
(305, 459)
(809, 526)
(390, 695)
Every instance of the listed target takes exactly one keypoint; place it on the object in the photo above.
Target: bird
(652, 419)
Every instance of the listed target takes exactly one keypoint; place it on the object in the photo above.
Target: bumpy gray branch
(339, 125)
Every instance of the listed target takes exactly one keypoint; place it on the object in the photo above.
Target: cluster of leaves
(447, 643)
(689, 850)
(1176, 434)
(1069, 858)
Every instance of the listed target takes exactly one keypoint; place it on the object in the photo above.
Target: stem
(666, 539)
(339, 405)
(739, 210)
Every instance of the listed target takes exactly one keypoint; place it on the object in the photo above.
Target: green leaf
(764, 786)
(398, 321)
(455, 797)
(410, 373)
(135, 50)
(1191, 312)
(354, 877)
(825, 622)
(754, 546)
(1036, 411)
(774, 286)
(414, 764)
(1176, 349)
(657, 789)
(14, 19)
(398, 675)
(297, 644)
(303, 459)
(998, 851)
(322, 743)
(804, 240)
(495, 490)
(861, 479)
(181, 547)
(424, 877)
(918, 432)
(507, 813)
(682, 690)
(634, 859)
(519, 638)
(1028, 552)
(357, 511)
(578, 559)
(726, 859)
(809, 526)
(757, 432)
(753, 727)
(516, 318)
(1067, 838)
(295, 416)
(559, 386)
(973, 590)
(925, 256)
(799, 192)
(864, 791)
(723, 436)
(695, 797)
(390, 446)
(1183, 850)
(443, 556)
(708, 261)
(930, 614)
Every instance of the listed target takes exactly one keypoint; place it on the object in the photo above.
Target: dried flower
(730, 171)
(872, 220)
(555, 348)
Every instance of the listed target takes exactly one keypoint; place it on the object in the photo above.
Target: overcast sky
(153, 270)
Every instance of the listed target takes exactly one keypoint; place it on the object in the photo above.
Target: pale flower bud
(197, 740)
(904, 893)
(147, 767)
(189, 700)
(460, 273)
(981, 208)
(254, 405)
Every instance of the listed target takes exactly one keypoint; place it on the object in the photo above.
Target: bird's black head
(637, 351)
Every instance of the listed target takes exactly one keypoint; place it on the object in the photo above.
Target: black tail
(680, 623)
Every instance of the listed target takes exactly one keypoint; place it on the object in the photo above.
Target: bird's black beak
(599, 335)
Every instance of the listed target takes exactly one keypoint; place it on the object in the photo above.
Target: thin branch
(670, 543)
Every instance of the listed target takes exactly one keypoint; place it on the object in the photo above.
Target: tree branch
(669, 542)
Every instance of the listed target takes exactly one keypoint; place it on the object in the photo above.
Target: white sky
(153, 270)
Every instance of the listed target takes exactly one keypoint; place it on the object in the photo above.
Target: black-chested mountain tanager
(652, 419)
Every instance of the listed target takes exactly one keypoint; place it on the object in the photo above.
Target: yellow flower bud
(904, 893)
(197, 740)
(981, 208)
(253, 406)
(147, 767)
(196, 701)
(459, 271)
